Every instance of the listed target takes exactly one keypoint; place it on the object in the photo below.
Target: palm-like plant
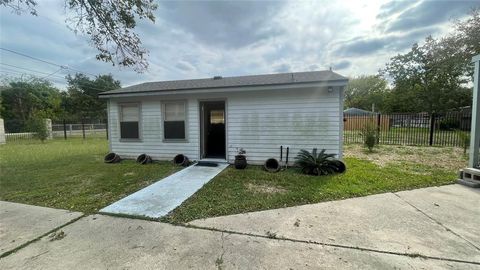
(318, 163)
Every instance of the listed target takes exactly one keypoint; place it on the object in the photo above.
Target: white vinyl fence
(58, 131)
(19, 136)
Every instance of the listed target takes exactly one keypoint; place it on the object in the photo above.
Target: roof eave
(342, 82)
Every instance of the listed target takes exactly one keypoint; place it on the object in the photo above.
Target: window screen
(174, 120)
(129, 122)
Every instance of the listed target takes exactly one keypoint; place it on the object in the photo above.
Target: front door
(212, 129)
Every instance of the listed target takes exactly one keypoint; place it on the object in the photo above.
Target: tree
(428, 78)
(38, 125)
(466, 39)
(109, 24)
(434, 76)
(22, 99)
(83, 101)
(363, 91)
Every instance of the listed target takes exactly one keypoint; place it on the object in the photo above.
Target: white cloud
(204, 39)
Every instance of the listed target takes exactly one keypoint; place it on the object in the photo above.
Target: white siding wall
(260, 122)
(152, 132)
(300, 119)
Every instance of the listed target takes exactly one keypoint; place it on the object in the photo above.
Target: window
(217, 117)
(129, 121)
(174, 121)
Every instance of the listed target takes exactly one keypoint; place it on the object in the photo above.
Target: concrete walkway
(163, 196)
(431, 228)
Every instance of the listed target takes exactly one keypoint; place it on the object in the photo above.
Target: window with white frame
(130, 121)
(174, 121)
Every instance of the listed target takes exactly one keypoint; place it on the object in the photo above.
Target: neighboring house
(357, 119)
(357, 112)
(215, 117)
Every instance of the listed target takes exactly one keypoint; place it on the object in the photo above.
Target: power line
(14, 71)
(51, 63)
(7, 72)
(45, 61)
(19, 73)
(31, 70)
(31, 57)
(53, 73)
(79, 85)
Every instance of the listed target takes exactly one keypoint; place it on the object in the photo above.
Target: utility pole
(475, 133)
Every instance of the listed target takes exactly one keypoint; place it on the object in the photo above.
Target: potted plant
(241, 159)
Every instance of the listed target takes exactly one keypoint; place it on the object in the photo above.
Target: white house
(215, 117)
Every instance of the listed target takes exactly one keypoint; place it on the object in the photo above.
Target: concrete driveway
(433, 228)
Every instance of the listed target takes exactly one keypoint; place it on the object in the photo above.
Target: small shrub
(448, 124)
(38, 125)
(369, 134)
(318, 163)
(464, 140)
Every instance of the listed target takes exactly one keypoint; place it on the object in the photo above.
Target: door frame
(202, 137)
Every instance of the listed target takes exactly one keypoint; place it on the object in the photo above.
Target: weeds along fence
(436, 129)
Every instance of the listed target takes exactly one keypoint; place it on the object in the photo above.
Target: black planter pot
(240, 162)
(111, 158)
(181, 160)
(271, 165)
(144, 159)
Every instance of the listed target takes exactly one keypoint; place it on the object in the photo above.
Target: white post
(2, 132)
(475, 133)
(48, 124)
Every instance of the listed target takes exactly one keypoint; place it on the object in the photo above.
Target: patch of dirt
(270, 234)
(129, 174)
(297, 223)
(59, 235)
(83, 180)
(266, 189)
(448, 158)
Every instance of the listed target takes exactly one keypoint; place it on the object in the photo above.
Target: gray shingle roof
(225, 82)
(357, 111)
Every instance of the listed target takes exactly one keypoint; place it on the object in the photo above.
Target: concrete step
(469, 183)
(469, 177)
(472, 171)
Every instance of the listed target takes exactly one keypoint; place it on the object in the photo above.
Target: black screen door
(212, 125)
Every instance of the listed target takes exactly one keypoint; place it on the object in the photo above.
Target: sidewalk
(425, 228)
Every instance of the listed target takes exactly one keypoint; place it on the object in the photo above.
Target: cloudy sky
(203, 39)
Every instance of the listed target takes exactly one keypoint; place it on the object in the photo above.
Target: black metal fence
(436, 129)
(68, 130)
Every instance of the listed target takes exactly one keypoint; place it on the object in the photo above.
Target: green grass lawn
(70, 174)
(238, 191)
